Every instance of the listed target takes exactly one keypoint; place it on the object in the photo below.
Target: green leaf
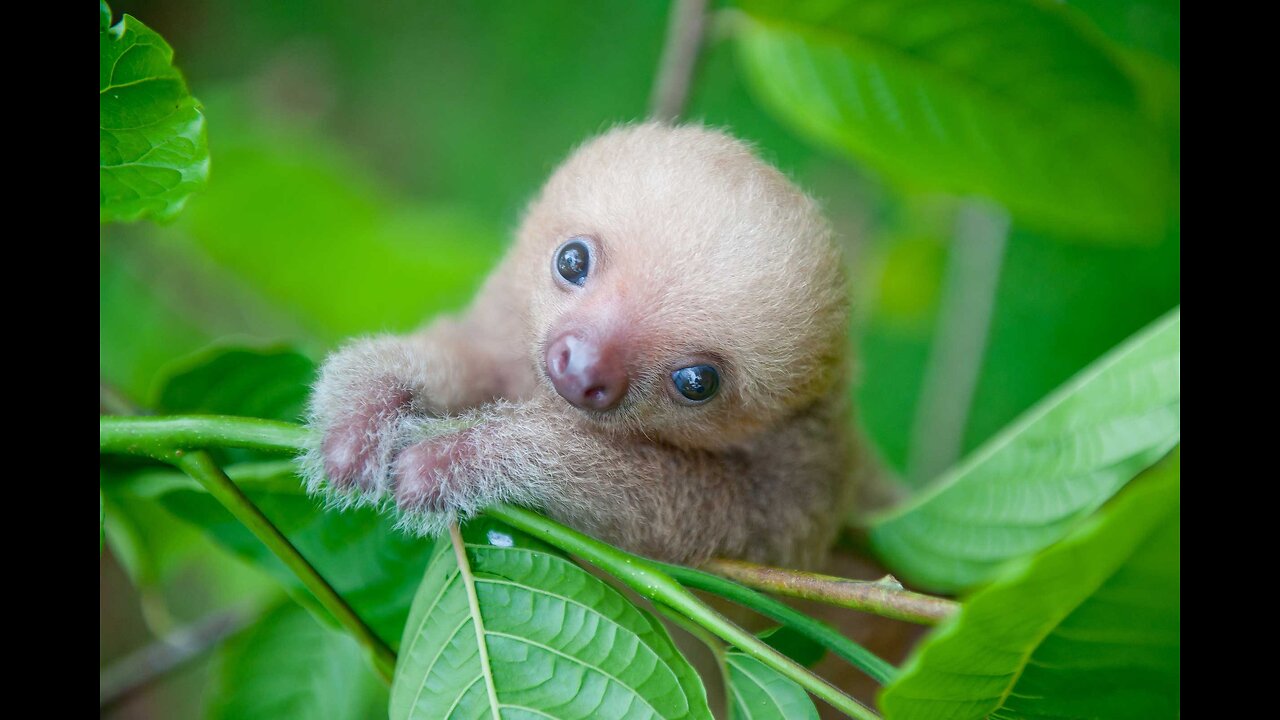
(104, 16)
(289, 666)
(1089, 628)
(999, 98)
(757, 691)
(1026, 487)
(374, 566)
(153, 150)
(516, 631)
(271, 383)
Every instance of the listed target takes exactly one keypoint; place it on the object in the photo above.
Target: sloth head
(681, 287)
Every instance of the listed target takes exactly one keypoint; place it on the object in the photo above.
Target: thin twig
(152, 662)
(860, 657)
(685, 31)
(884, 597)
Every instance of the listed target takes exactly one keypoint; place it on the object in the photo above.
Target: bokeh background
(369, 161)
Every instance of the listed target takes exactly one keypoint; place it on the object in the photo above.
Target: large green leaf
(515, 630)
(1027, 486)
(1088, 629)
(758, 692)
(1002, 98)
(153, 150)
(289, 666)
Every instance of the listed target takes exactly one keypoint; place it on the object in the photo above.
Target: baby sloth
(659, 361)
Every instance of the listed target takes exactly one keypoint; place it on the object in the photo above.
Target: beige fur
(701, 250)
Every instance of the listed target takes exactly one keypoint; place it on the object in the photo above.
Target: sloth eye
(573, 261)
(698, 383)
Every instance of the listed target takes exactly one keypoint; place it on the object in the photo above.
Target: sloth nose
(589, 374)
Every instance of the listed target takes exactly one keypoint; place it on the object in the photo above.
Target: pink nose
(588, 374)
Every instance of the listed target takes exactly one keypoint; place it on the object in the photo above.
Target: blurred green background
(369, 162)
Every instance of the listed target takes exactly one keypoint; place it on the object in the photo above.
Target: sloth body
(660, 360)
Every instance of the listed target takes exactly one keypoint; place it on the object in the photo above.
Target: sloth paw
(358, 444)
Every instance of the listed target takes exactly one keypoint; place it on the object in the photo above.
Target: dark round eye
(698, 383)
(573, 261)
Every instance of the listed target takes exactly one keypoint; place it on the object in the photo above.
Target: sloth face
(592, 369)
(680, 288)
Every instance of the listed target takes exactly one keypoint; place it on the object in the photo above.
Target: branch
(812, 628)
(158, 437)
(884, 597)
(685, 31)
(148, 436)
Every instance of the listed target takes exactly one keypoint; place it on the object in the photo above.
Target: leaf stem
(812, 628)
(882, 597)
(650, 581)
